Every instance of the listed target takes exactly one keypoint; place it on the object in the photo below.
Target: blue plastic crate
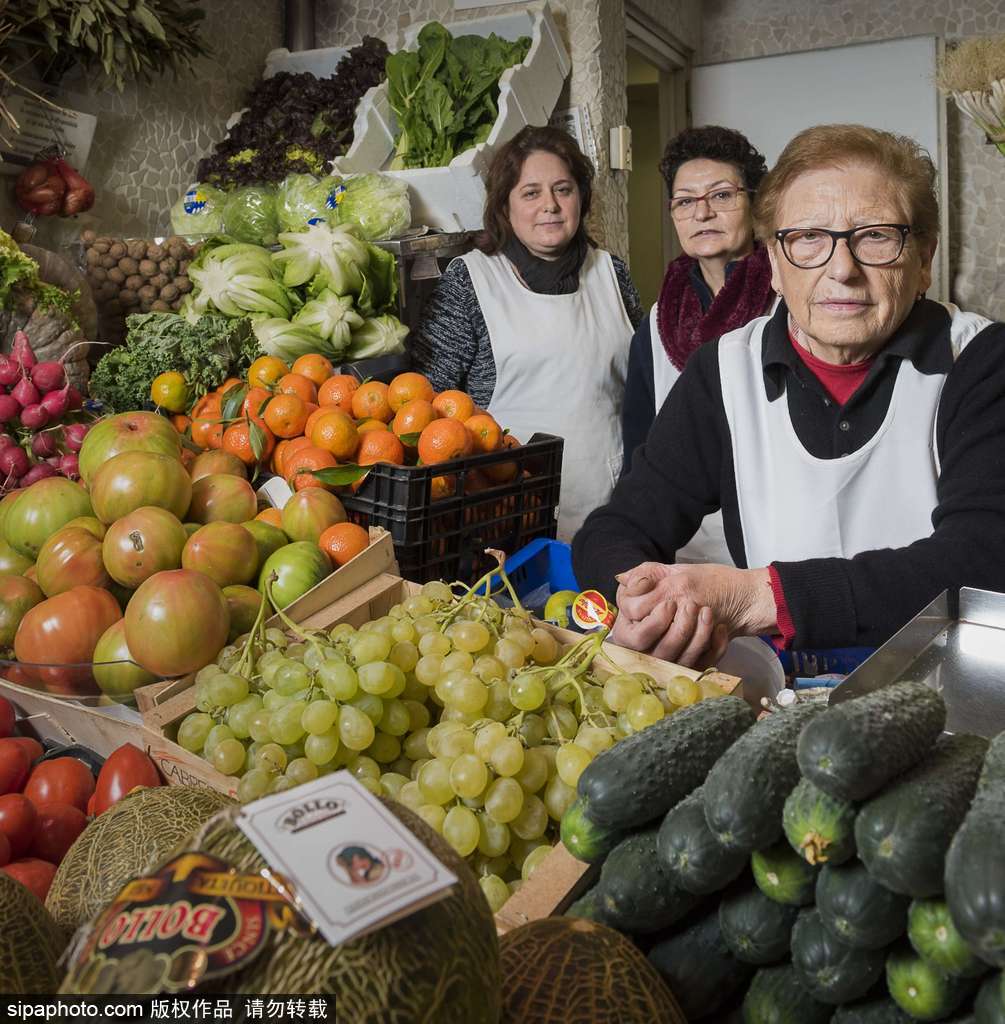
(837, 661)
(542, 562)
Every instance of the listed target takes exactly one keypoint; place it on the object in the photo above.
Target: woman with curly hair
(720, 282)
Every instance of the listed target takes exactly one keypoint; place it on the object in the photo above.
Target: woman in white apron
(536, 322)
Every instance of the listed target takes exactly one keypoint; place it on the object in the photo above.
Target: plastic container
(755, 661)
(321, 62)
(446, 538)
(452, 198)
(542, 564)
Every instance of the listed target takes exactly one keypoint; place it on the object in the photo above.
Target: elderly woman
(536, 323)
(853, 439)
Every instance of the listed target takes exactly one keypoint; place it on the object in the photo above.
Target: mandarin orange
(409, 387)
(343, 542)
(443, 440)
(369, 401)
(337, 391)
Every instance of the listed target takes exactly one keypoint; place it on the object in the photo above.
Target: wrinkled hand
(688, 613)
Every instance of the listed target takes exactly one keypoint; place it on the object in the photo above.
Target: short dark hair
(712, 142)
(504, 173)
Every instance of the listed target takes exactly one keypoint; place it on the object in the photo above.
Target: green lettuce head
(302, 200)
(249, 215)
(199, 211)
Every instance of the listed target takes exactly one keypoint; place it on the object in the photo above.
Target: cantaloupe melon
(30, 943)
(568, 970)
(439, 965)
(123, 843)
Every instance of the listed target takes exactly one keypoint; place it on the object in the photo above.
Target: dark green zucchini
(934, 937)
(833, 971)
(778, 996)
(639, 779)
(989, 1006)
(584, 838)
(817, 826)
(695, 859)
(921, 990)
(857, 909)
(782, 875)
(756, 930)
(699, 968)
(875, 1011)
(903, 834)
(975, 866)
(859, 745)
(746, 789)
(635, 893)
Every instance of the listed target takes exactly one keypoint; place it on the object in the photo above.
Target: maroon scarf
(684, 328)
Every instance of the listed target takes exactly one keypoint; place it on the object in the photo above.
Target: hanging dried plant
(973, 73)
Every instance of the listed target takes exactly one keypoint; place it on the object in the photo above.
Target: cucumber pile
(841, 864)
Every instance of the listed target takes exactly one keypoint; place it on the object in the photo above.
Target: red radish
(74, 434)
(53, 461)
(44, 445)
(76, 399)
(25, 392)
(21, 351)
(34, 417)
(69, 466)
(6, 441)
(9, 371)
(56, 403)
(9, 408)
(48, 376)
(36, 473)
(13, 462)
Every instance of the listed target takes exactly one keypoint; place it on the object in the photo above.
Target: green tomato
(296, 568)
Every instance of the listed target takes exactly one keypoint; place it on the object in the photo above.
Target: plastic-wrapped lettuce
(302, 199)
(249, 215)
(379, 336)
(377, 203)
(199, 211)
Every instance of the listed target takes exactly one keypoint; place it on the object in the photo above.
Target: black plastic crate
(446, 538)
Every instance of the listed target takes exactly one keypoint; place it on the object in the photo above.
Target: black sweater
(685, 471)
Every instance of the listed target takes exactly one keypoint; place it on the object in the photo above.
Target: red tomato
(64, 780)
(7, 717)
(14, 767)
(30, 746)
(125, 770)
(4, 850)
(18, 819)
(35, 874)
(58, 827)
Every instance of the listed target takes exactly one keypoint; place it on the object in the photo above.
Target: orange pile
(298, 419)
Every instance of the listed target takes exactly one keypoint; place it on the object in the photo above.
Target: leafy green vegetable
(333, 318)
(199, 211)
(287, 341)
(235, 279)
(206, 353)
(302, 199)
(19, 277)
(380, 283)
(377, 203)
(249, 215)
(445, 94)
(336, 256)
(379, 336)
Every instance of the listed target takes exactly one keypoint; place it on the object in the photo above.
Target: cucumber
(695, 859)
(858, 746)
(584, 838)
(989, 1006)
(635, 893)
(975, 867)
(903, 834)
(640, 778)
(857, 909)
(876, 1011)
(833, 971)
(778, 996)
(934, 937)
(756, 930)
(699, 968)
(782, 875)
(817, 826)
(587, 906)
(746, 789)
(921, 990)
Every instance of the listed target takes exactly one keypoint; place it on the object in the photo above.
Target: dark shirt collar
(923, 338)
(700, 285)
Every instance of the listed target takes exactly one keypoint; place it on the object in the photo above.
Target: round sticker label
(590, 610)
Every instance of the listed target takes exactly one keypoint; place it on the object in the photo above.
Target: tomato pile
(46, 804)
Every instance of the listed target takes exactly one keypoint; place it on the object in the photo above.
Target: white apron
(561, 363)
(794, 506)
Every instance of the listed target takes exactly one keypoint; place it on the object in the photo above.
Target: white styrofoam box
(452, 198)
(321, 63)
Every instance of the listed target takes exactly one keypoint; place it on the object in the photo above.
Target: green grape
(271, 758)
(496, 891)
(438, 733)
(254, 784)
(291, 677)
(276, 637)
(273, 699)
(428, 669)
(435, 643)
(487, 737)
(405, 655)
(297, 650)
(532, 860)
(594, 739)
(532, 821)
(426, 624)
(437, 590)
(321, 749)
(203, 702)
(370, 647)
(226, 689)
(469, 694)
(489, 668)
(558, 798)
(458, 661)
(459, 741)
(469, 636)
(239, 715)
(370, 704)
(534, 773)
(205, 674)
(468, 775)
(260, 725)
(268, 665)
(355, 729)
(494, 836)
(562, 723)
(403, 632)
(418, 717)
(504, 800)
(644, 710)
(403, 766)
(683, 691)
(417, 765)
(620, 691)
(313, 658)
(382, 626)
(520, 636)
(460, 829)
(624, 727)
(286, 725)
(545, 650)
(527, 692)
(507, 756)
(433, 815)
(550, 754)
(416, 744)
(319, 716)
(372, 785)
(338, 679)
(216, 735)
(302, 770)
(594, 700)
(396, 717)
(343, 631)
(414, 690)
(293, 750)
(385, 748)
(570, 761)
(434, 781)
(498, 706)
(521, 849)
(411, 796)
(378, 677)
(281, 784)
(464, 717)
(194, 730)
(391, 783)
(363, 767)
(418, 605)
(533, 730)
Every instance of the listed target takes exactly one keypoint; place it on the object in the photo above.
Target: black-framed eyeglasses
(720, 200)
(872, 245)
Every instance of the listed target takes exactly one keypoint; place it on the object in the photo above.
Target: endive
(333, 317)
(237, 279)
(287, 341)
(334, 256)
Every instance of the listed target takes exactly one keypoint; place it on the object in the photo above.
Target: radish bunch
(35, 398)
